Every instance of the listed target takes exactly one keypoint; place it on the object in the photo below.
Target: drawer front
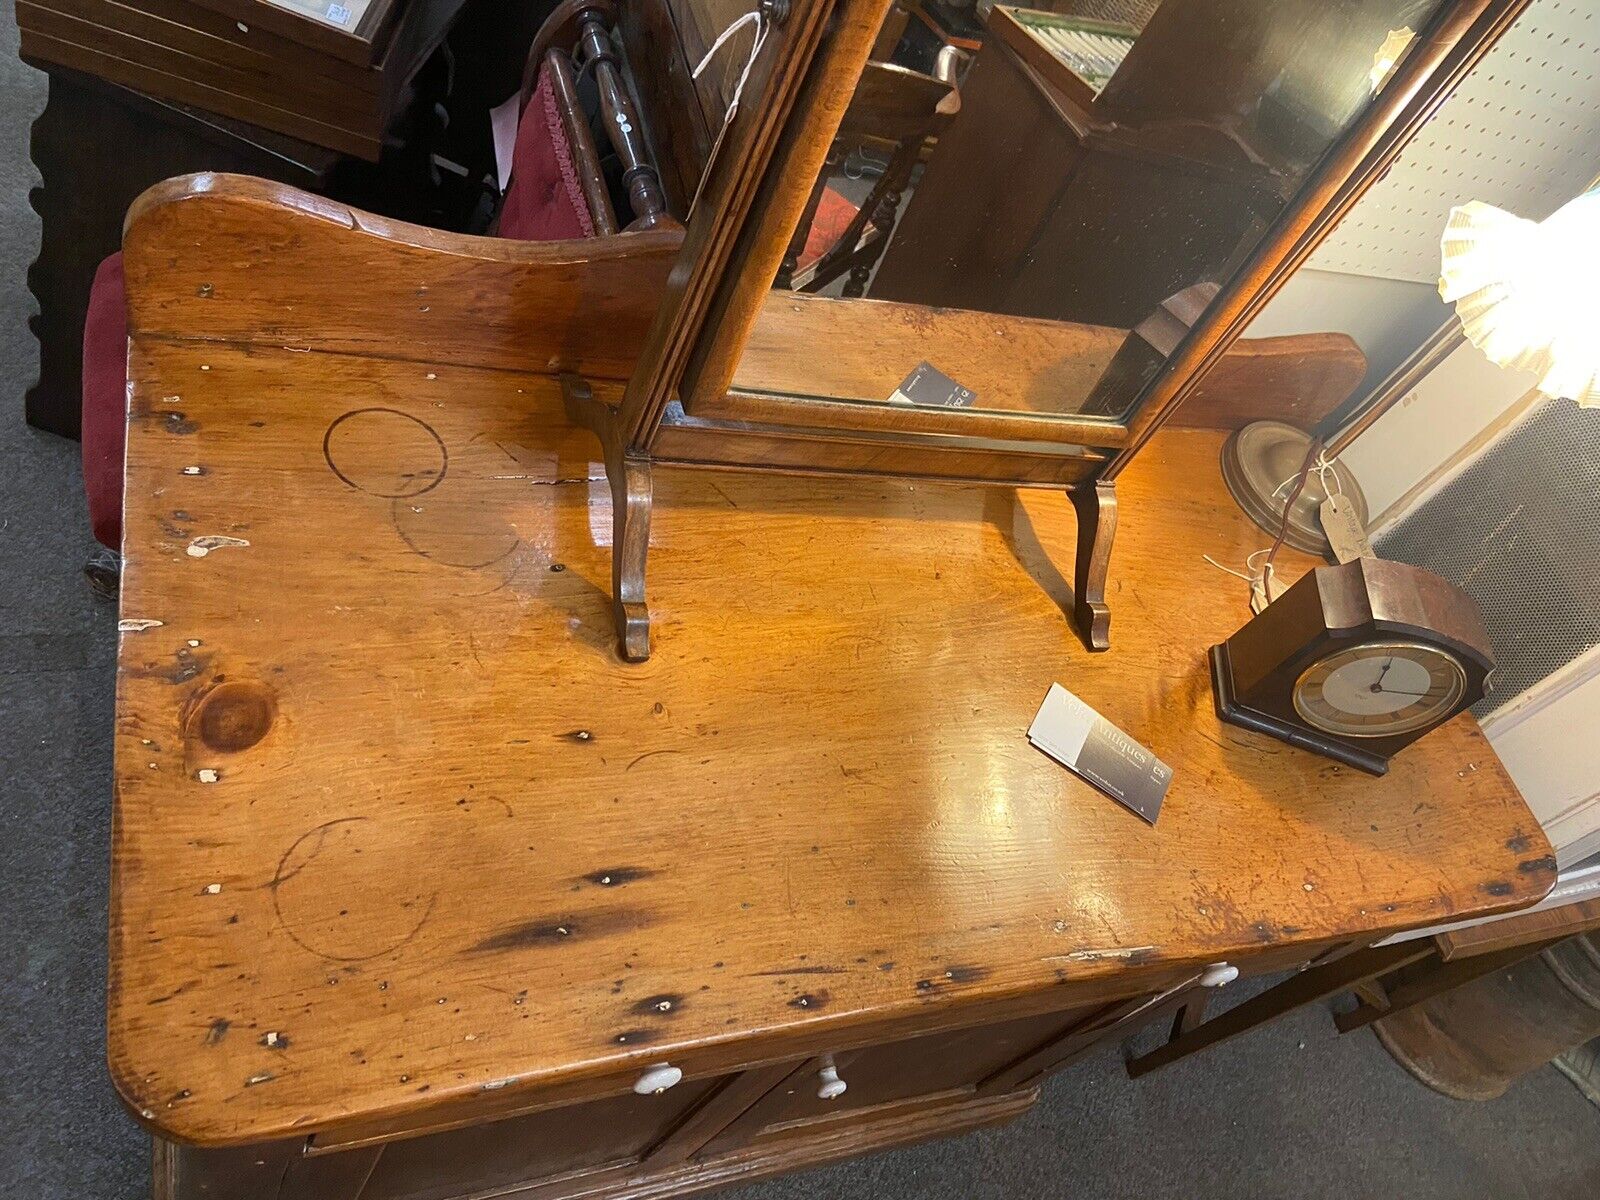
(615, 1131)
(942, 1066)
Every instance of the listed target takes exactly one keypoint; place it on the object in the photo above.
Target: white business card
(1095, 750)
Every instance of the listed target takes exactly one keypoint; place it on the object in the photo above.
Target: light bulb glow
(1521, 290)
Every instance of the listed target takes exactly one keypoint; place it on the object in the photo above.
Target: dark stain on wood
(635, 1037)
(782, 971)
(180, 424)
(1518, 842)
(617, 876)
(577, 735)
(1263, 933)
(1499, 888)
(965, 974)
(811, 1000)
(663, 1004)
(560, 930)
(183, 668)
(233, 716)
(217, 1031)
(1535, 866)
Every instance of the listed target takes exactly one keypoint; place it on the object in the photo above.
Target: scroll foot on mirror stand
(630, 546)
(630, 517)
(1096, 505)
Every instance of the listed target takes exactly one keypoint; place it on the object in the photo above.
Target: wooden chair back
(895, 107)
(576, 39)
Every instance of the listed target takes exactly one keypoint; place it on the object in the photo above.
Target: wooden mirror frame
(755, 193)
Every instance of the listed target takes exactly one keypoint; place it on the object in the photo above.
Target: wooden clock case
(1253, 673)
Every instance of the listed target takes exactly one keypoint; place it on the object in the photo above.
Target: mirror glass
(1024, 211)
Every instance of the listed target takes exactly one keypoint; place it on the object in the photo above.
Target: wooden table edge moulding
(402, 850)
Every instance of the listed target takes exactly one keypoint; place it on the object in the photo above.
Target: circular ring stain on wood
(335, 897)
(233, 717)
(385, 452)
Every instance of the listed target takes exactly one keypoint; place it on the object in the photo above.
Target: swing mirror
(1025, 216)
(1006, 255)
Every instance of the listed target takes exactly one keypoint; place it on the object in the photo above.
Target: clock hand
(1393, 692)
(1377, 684)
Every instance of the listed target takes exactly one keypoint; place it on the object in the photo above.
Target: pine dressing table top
(397, 831)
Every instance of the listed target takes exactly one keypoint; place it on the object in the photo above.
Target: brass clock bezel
(1425, 720)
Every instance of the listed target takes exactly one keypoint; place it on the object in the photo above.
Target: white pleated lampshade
(1524, 291)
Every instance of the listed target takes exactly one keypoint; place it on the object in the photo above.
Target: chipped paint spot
(194, 641)
(1118, 952)
(202, 546)
(207, 775)
(275, 1040)
(657, 1005)
(205, 366)
(138, 624)
(211, 889)
(494, 1085)
(1311, 887)
(194, 470)
(263, 1077)
(618, 876)
(171, 399)
(432, 375)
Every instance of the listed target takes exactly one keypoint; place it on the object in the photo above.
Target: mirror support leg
(1096, 505)
(630, 481)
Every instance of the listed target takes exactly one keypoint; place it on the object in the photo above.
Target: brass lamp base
(1259, 463)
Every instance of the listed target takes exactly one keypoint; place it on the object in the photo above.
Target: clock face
(1379, 689)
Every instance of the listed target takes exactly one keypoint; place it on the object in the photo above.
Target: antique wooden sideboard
(421, 892)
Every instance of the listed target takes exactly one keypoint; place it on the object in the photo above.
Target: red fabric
(834, 214)
(105, 401)
(544, 201)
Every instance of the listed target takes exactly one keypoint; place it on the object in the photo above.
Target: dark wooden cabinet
(611, 1134)
(942, 1068)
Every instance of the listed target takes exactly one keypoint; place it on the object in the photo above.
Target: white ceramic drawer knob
(829, 1085)
(1218, 974)
(657, 1080)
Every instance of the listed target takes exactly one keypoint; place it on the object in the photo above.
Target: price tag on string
(1345, 534)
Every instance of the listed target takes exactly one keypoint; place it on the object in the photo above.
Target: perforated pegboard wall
(1522, 131)
(1519, 531)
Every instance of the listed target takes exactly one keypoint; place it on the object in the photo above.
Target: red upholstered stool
(544, 202)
